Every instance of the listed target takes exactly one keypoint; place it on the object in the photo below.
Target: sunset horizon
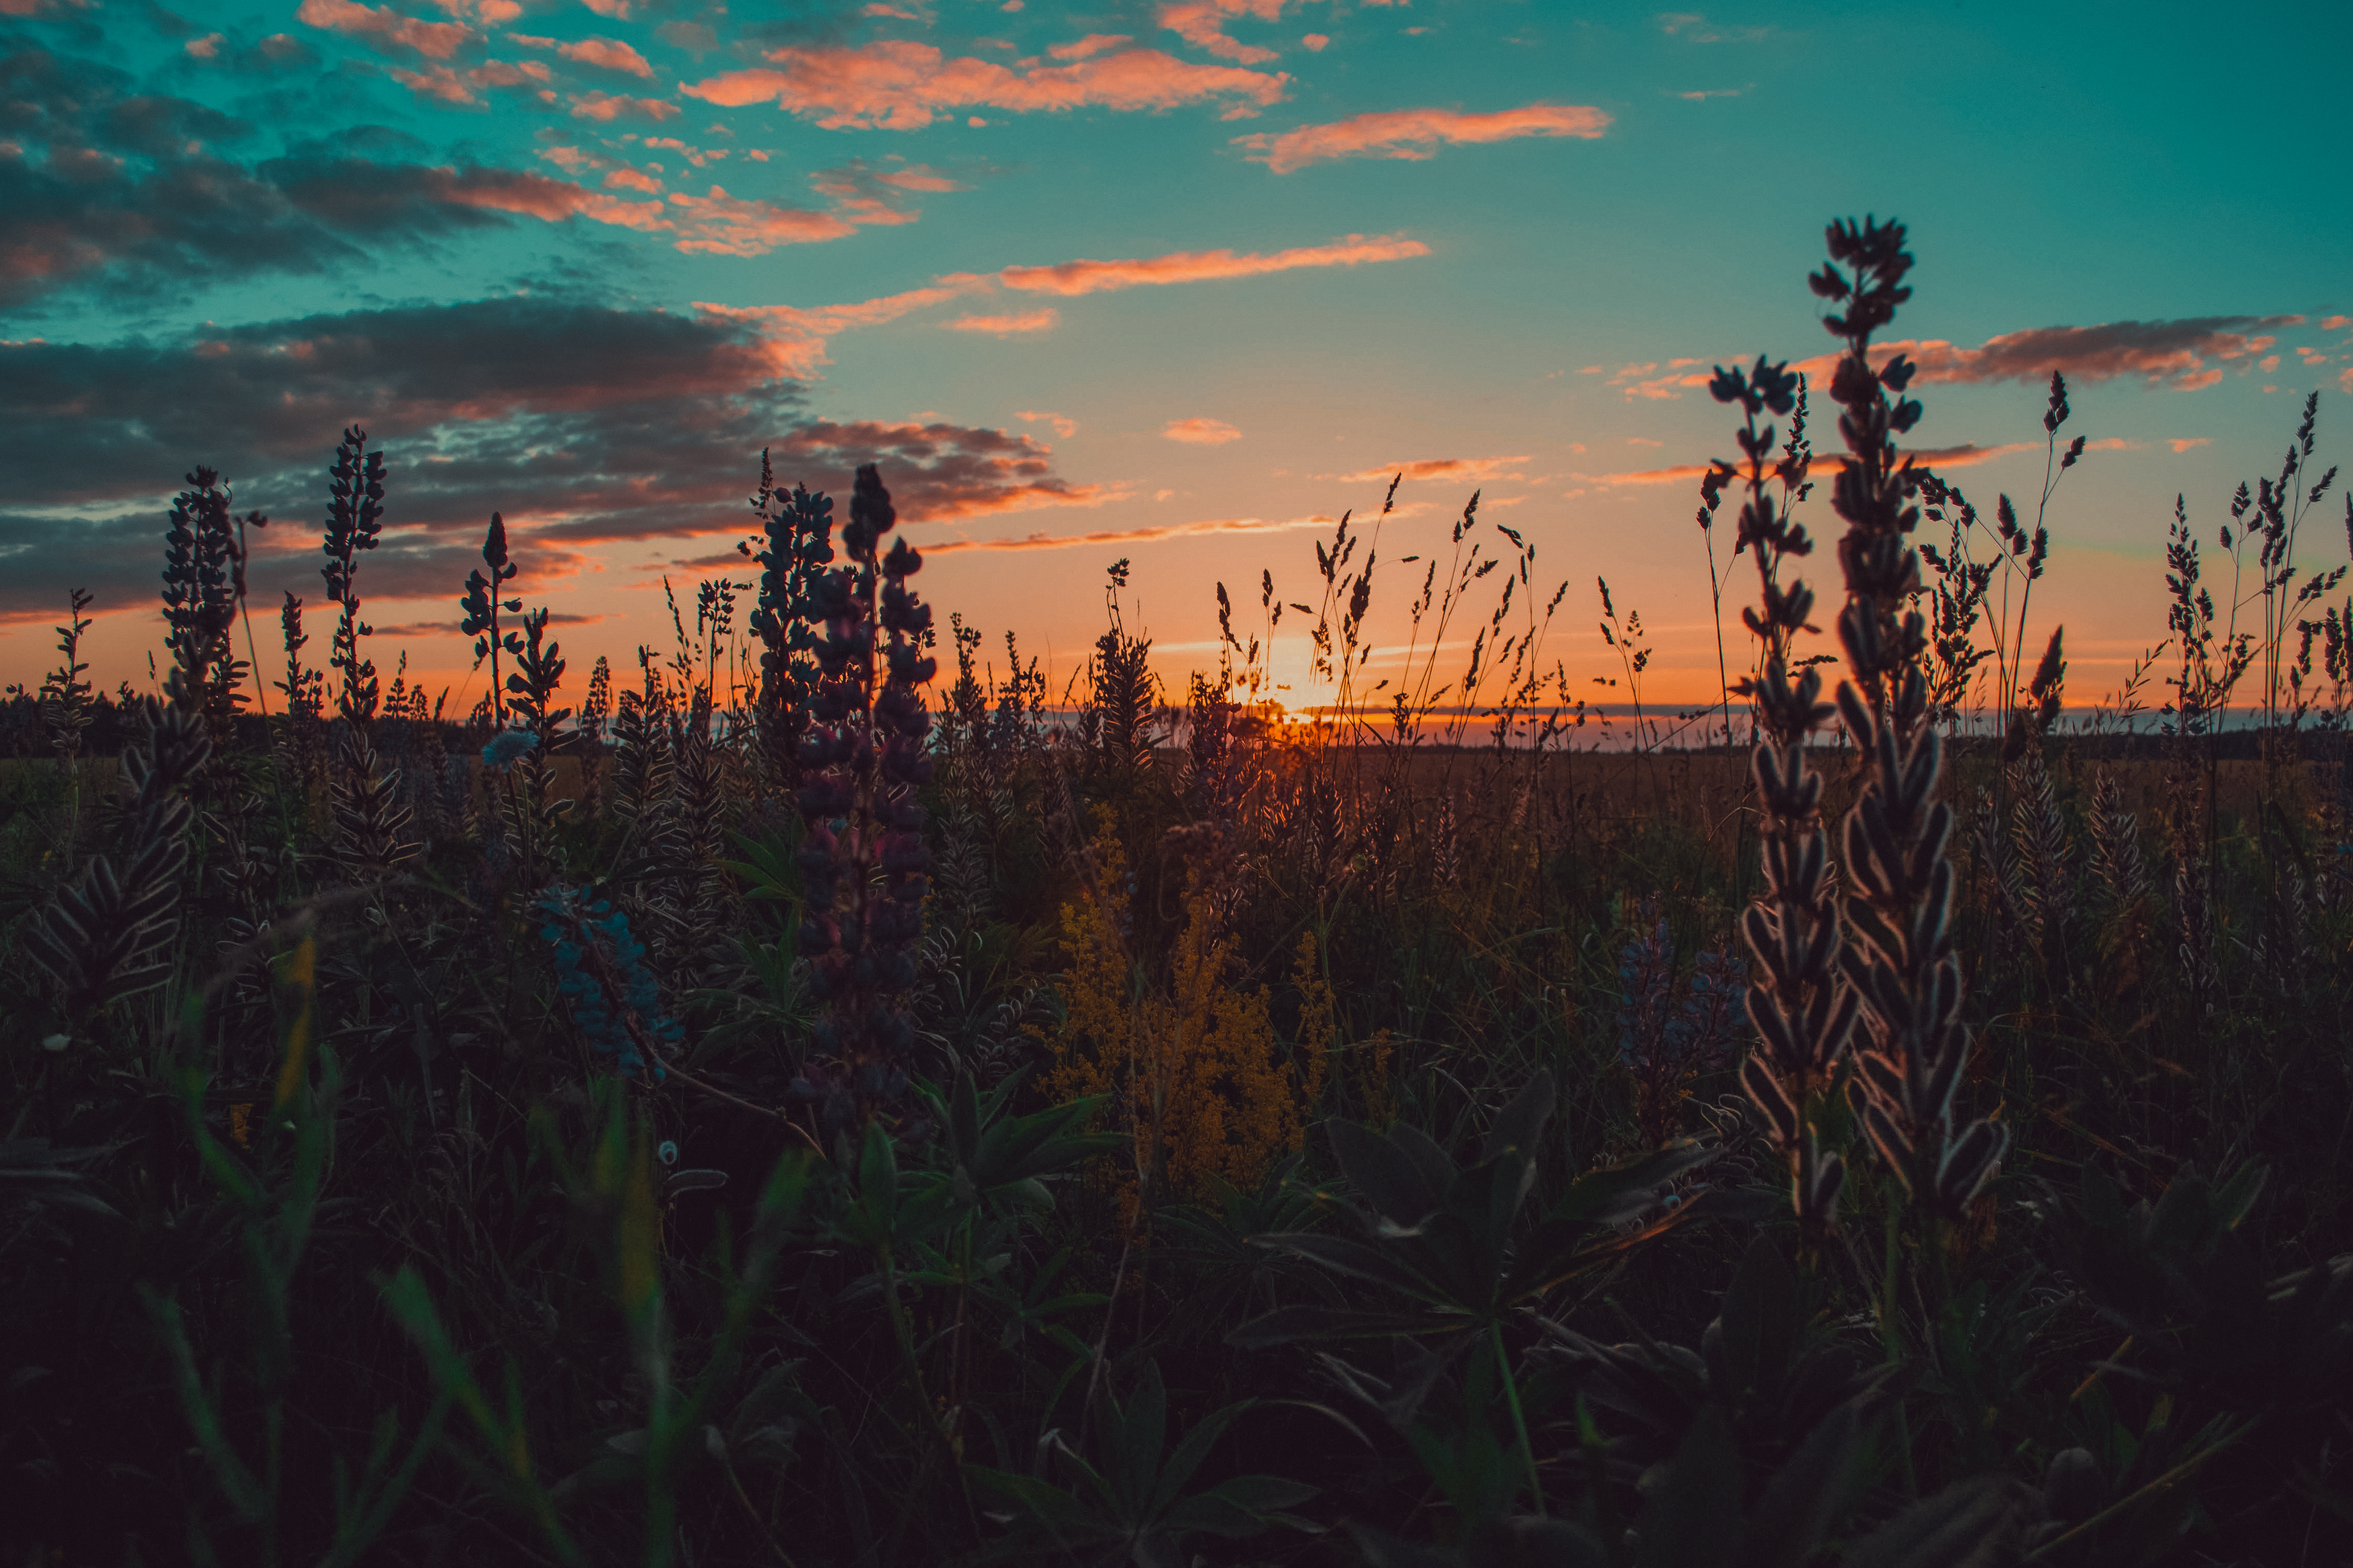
(1185, 283)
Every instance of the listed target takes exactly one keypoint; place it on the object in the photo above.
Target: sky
(1179, 282)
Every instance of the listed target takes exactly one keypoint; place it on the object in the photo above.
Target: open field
(806, 1102)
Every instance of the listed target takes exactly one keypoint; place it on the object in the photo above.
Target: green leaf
(1692, 1518)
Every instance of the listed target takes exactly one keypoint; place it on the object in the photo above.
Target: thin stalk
(1519, 1421)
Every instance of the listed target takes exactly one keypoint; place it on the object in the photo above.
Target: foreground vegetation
(760, 1115)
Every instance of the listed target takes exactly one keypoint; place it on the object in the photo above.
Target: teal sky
(580, 260)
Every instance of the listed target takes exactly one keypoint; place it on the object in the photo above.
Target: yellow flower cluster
(1193, 1067)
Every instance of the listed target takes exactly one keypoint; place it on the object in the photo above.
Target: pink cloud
(1202, 24)
(633, 180)
(1008, 325)
(1417, 134)
(1315, 43)
(2336, 323)
(2181, 444)
(1074, 278)
(1198, 431)
(607, 107)
(434, 40)
(610, 54)
(900, 85)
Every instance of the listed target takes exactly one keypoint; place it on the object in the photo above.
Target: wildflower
(601, 973)
(507, 747)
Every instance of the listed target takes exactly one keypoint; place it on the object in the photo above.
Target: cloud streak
(902, 85)
(1071, 279)
(1415, 134)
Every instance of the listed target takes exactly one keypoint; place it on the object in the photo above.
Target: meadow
(822, 1097)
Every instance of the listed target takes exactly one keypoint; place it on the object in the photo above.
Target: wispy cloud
(2181, 444)
(902, 85)
(1063, 425)
(1200, 432)
(1074, 278)
(1417, 134)
(798, 337)
(1009, 325)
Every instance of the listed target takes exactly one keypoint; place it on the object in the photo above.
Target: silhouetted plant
(1901, 963)
(200, 602)
(863, 862)
(65, 696)
(483, 604)
(1803, 1014)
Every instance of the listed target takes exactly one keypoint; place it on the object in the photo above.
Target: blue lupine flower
(507, 747)
(600, 970)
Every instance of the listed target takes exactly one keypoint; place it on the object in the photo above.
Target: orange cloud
(900, 85)
(609, 106)
(1436, 469)
(1198, 431)
(610, 54)
(1073, 277)
(1008, 325)
(2181, 444)
(797, 336)
(434, 40)
(1202, 24)
(633, 180)
(1416, 134)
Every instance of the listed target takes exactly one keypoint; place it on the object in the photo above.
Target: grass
(810, 1108)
